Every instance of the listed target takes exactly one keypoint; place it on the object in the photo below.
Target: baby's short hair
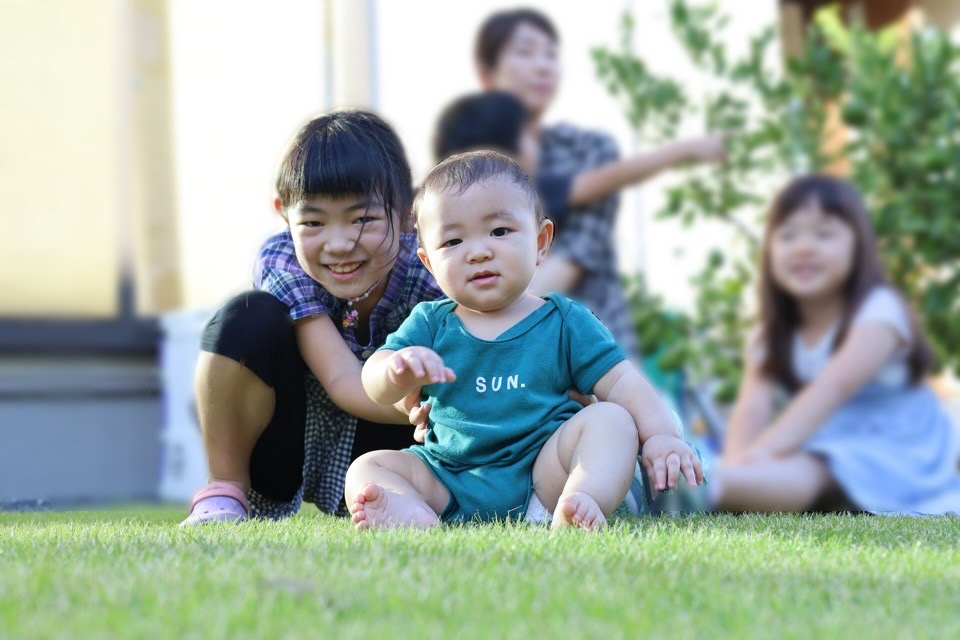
(459, 172)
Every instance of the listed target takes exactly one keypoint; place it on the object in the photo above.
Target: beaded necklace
(351, 316)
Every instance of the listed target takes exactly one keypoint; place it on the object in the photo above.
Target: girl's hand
(417, 366)
(582, 399)
(417, 413)
(665, 457)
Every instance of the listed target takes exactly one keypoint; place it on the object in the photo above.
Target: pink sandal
(217, 502)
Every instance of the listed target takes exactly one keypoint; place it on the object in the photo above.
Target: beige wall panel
(58, 182)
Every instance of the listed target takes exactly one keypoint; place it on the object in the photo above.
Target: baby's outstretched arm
(664, 454)
(388, 376)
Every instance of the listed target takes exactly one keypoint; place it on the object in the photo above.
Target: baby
(505, 429)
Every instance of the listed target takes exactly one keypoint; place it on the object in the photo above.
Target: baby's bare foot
(373, 506)
(578, 510)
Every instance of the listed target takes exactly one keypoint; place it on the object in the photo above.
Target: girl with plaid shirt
(281, 406)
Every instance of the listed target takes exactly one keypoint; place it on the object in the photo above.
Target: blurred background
(139, 142)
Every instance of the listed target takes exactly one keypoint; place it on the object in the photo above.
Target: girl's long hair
(780, 315)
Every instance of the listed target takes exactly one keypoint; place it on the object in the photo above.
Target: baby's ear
(425, 259)
(544, 239)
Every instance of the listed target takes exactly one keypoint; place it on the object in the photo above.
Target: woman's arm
(866, 350)
(598, 183)
(338, 370)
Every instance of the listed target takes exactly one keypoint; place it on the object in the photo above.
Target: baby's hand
(416, 366)
(665, 456)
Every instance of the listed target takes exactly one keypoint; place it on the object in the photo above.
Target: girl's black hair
(489, 120)
(780, 316)
(347, 153)
(497, 30)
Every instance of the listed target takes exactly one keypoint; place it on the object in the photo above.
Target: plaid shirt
(329, 432)
(278, 272)
(587, 235)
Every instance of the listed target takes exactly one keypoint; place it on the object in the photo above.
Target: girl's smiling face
(812, 253)
(344, 243)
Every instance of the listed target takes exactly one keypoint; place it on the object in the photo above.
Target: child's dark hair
(780, 316)
(459, 172)
(496, 31)
(491, 120)
(347, 153)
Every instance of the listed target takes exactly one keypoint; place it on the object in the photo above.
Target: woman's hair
(347, 153)
(780, 316)
(488, 120)
(496, 31)
(459, 172)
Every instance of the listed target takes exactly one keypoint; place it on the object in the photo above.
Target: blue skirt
(893, 451)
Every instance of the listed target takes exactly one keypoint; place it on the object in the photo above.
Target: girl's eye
(365, 220)
(311, 223)
(451, 243)
(499, 232)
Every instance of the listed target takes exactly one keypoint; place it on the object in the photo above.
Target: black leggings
(255, 329)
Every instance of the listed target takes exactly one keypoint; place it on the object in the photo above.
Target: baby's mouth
(483, 276)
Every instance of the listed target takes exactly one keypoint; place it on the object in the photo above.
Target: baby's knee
(616, 422)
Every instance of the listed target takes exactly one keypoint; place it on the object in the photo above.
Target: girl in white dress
(859, 419)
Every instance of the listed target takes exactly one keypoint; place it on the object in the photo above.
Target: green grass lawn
(134, 574)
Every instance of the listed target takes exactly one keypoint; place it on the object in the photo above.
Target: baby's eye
(499, 231)
(452, 242)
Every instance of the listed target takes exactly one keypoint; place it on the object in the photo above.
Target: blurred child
(278, 391)
(505, 430)
(834, 334)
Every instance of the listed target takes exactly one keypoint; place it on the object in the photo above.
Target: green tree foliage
(900, 103)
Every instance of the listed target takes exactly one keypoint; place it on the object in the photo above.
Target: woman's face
(528, 67)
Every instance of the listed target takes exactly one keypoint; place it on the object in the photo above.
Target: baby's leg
(779, 484)
(584, 470)
(393, 489)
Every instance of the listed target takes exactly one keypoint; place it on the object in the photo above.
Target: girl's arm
(598, 183)
(867, 348)
(753, 409)
(338, 370)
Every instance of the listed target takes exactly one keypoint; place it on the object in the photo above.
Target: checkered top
(587, 236)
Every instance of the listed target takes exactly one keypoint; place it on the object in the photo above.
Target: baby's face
(484, 244)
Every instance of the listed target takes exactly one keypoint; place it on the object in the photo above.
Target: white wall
(246, 74)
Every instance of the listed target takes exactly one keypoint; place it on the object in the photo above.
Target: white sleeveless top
(882, 305)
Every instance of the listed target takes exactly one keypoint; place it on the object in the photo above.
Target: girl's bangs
(337, 168)
(827, 193)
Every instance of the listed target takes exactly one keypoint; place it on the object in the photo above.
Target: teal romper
(510, 396)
